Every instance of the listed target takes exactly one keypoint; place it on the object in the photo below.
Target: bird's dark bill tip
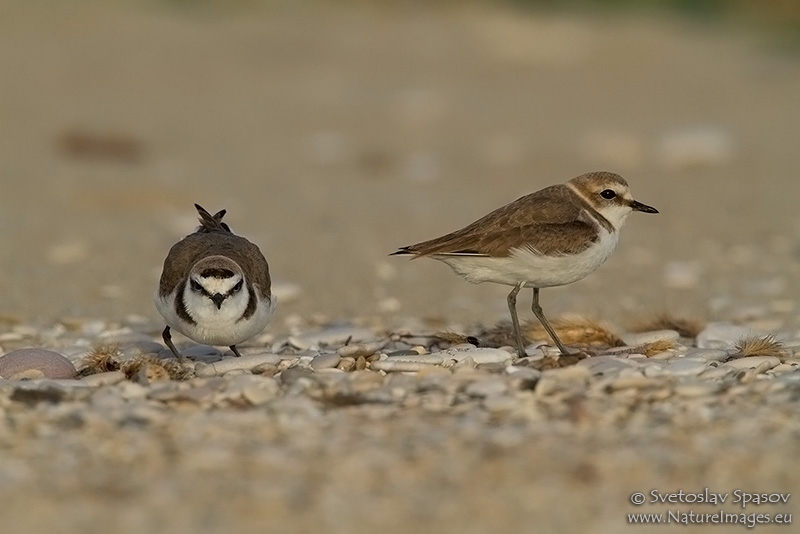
(638, 206)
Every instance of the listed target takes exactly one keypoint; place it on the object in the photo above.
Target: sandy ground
(333, 135)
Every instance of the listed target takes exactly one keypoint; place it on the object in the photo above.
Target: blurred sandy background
(335, 132)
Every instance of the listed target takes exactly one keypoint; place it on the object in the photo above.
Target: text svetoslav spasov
(706, 496)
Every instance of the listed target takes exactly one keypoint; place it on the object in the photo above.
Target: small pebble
(396, 366)
(478, 355)
(346, 364)
(229, 364)
(606, 365)
(325, 361)
(430, 359)
(753, 362)
(686, 367)
(784, 368)
(361, 349)
(404, 352)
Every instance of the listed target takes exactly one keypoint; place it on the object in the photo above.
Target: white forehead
(214, 285)
(620, 189)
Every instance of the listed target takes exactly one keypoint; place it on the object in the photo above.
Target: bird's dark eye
(237, 287)
(196, 286)
(608, 194)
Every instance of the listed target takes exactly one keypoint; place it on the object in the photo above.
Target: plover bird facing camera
(215, 287)
(549, 238)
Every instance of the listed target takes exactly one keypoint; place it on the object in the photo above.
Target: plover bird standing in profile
(215, 287)
(552, 237)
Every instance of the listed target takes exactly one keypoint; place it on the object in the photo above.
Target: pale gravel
(464, 452)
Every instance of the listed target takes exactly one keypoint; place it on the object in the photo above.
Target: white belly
(536, 270)
(219, 329)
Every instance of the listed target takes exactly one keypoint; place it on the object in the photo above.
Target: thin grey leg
(512, 307)
(168, 340)
(537, 311)
(235, 351)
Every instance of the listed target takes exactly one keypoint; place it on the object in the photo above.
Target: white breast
(536, 270)
(217, 327)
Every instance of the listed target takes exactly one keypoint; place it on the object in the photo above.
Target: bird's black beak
(218, 298)
(638, 206)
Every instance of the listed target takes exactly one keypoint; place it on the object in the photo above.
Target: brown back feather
(557, 212)
(214, 238)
